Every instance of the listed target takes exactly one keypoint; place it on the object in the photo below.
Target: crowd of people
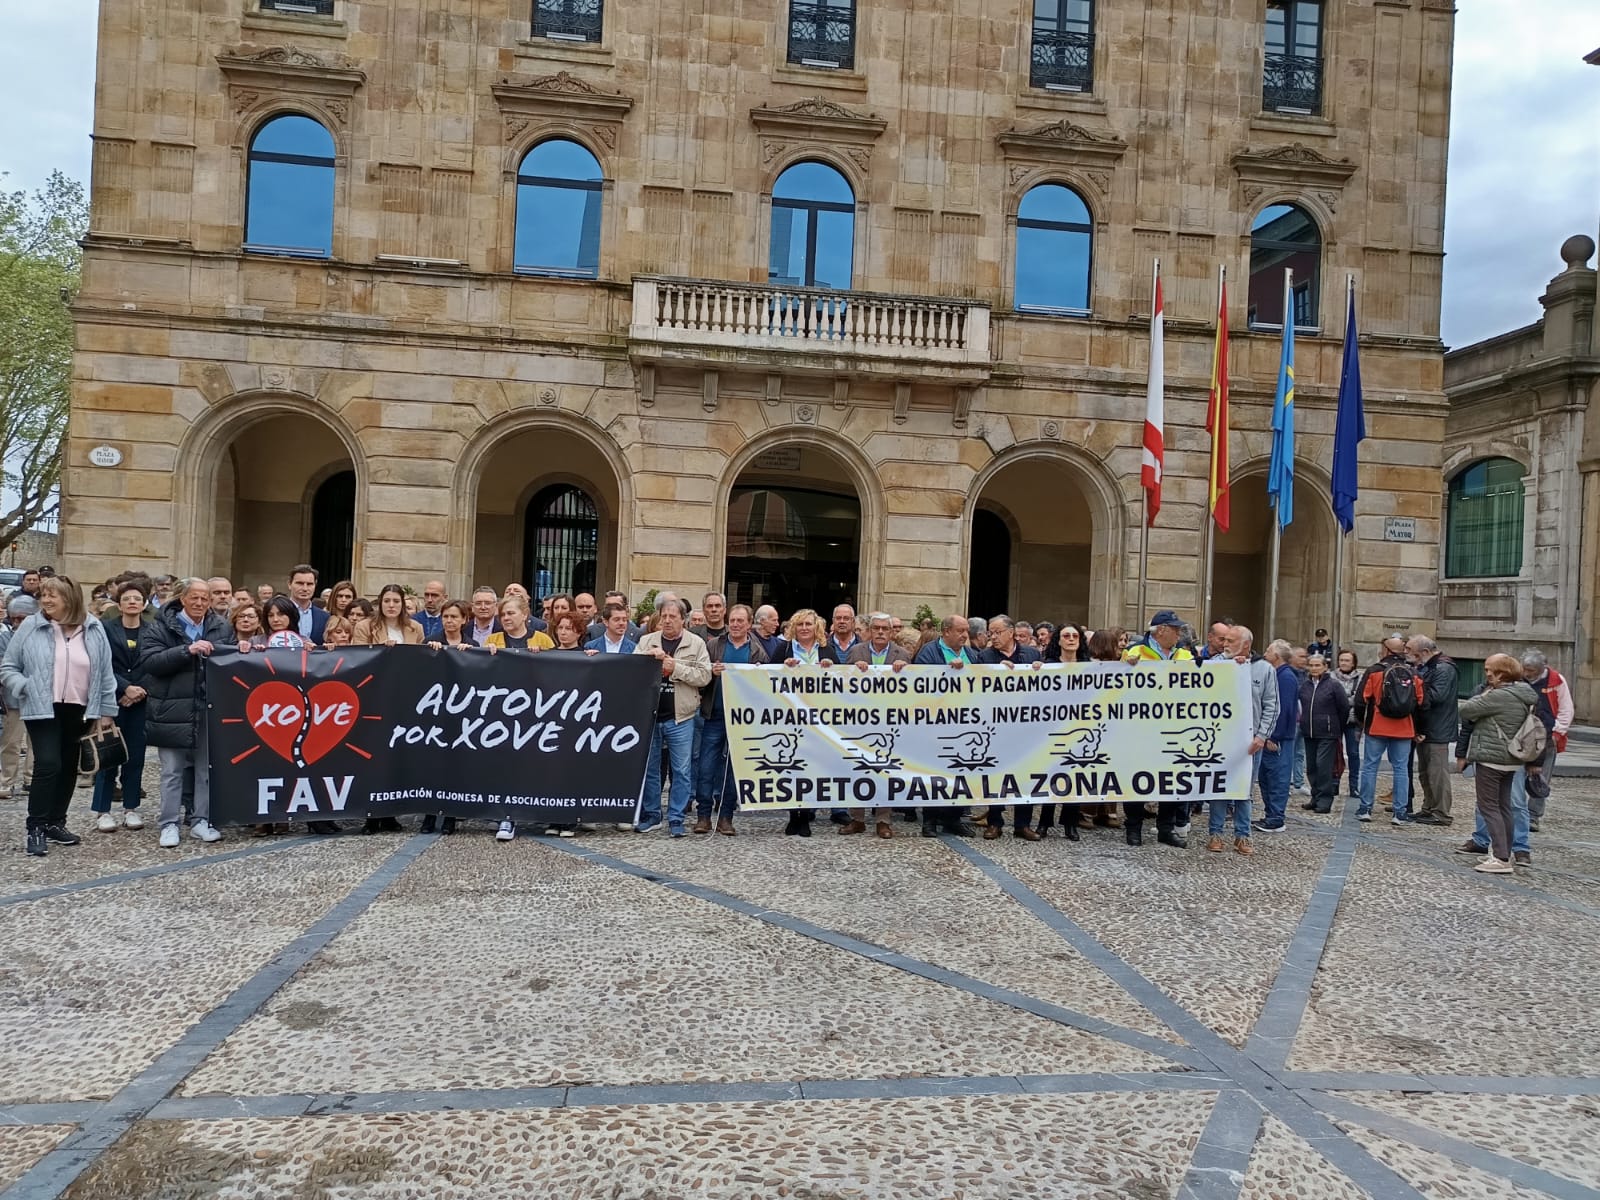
(131, 654)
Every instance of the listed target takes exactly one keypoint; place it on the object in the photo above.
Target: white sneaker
(1494, 866)
(205, 831)
(566, 831)
(131, 819)
(105, 823)
(169, 835)
(507, 831)
(624, 826)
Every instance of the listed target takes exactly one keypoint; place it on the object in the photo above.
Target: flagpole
(1210, 517)
(1338, 561)
(1144, 496)
(1277, 513)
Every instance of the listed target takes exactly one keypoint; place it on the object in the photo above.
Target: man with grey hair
(769, 631)
(221, 595)
(685, 669)
(1554, 708)
(1277, 753)
(879, 650)
(1237, 643)
(1438, 722)
(978, 634)
(951, 649)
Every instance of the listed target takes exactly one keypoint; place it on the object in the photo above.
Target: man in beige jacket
(685, 669)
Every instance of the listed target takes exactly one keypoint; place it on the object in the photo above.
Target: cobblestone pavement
(1351, 1013)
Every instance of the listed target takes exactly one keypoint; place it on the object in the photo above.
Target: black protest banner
(382, 731)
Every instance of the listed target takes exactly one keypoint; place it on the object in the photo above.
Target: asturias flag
(1350, 429)
(1217, 415)
(1280, 474)
(1153, 457)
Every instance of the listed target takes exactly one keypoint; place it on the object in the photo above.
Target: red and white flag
(1154, 456)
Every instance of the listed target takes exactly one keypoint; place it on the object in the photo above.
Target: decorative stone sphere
(1577, 250)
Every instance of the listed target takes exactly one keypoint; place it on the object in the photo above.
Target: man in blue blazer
(615, 639)
(302, 590)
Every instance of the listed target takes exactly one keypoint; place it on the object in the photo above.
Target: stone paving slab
(1209, 929)
(94, 985)
(1285, 1167)
(1091, 1147)
(487, 965)
(23, 1145)
(973, 928)
(1436, 1175)
(1435, 971)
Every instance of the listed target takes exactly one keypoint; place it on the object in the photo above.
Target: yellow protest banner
(820, 737)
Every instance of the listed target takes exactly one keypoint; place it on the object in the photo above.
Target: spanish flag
(1217, 413)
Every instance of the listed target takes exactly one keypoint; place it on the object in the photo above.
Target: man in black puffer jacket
(1438, 722)
(173, 650)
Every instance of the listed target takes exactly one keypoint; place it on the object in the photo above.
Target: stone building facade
(1522, 487)
(427, 380)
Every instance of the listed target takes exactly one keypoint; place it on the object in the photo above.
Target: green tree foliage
(39, 266)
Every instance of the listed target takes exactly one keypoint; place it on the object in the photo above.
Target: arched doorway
(561, 541)
(794, 531)
(1035, 549)
(1242, 574)
(545, 510)
(273, 508)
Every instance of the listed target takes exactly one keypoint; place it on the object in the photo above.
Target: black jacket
(175, 678)
(1324, 707)
(1439, 719)
(125, 666)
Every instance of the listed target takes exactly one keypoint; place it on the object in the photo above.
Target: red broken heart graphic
(319, 721)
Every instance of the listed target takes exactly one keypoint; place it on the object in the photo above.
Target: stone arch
(1099, 489)
(860, 470)
(613, 497)
(1242, 579)
(215, 438)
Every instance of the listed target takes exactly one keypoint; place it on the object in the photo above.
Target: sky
(1524, 147)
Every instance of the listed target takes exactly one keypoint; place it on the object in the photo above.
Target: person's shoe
(169, 835)
(1443, 820)
(1243, 846)
(447, 827)
(261, 830)
(508, 831)
(37, 845)
(962, 829)
(105, 823)
(851, 827)
(1495, 866)
(1070, 831)
(1310, 806)
(1522, 858)
(1181, 830)
(1171, 837)
(648, 825)
(1102, 821)
(566, 831)
(1364, 817)
(1471, 847)
(726, 829)
(62, 835)
(1216, 843)
(131, 819)
(884, 830)
(1424, 818)
(702, 825)
(391, 825)
(908, 815)
(1402, 819)
(839, 817)
(1533, 826)
(1134, 834)
(796, 827)
(1028, 834)
(677, 831)
(327, 828)
(990, 832)
(204, 831)
(929, 829)
(430, 824)
(1264, 826)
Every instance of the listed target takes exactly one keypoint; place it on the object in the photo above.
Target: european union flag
(1280, 474)
(1350, 429)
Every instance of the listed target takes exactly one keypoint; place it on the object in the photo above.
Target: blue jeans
(1399, 752)
(1274, 780)
(131, 721)
(1241, 808)
(678, 737)
(1519, 816)
(1352, 758)
(714, 772)
(1299, 760)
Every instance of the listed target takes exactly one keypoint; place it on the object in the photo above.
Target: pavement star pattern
(1351, 1013)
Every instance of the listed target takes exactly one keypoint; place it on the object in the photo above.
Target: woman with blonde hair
(515, 632)
(391, 625)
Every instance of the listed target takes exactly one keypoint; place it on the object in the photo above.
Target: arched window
(813, 228)
(558, 211)
(562, 541)
(1054, 238)
(289, 193)
(1284, 237)
(1483, 520)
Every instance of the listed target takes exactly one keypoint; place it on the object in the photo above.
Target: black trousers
(55, 765)
(1023, 815)
(1169, 813)
(1319, 771)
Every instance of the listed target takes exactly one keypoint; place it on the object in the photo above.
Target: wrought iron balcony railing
(1063, 60)
(320, 8)
(822, 34)
(1292, 83)
(568, 20)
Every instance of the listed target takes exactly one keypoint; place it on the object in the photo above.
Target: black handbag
(102, 750)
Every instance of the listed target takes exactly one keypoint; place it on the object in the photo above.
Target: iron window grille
(300, 8)
(1063, 45)
(568, 20)
(822, 33)
(1291, 75)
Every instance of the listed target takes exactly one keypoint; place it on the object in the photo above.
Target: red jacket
(1379, 725)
